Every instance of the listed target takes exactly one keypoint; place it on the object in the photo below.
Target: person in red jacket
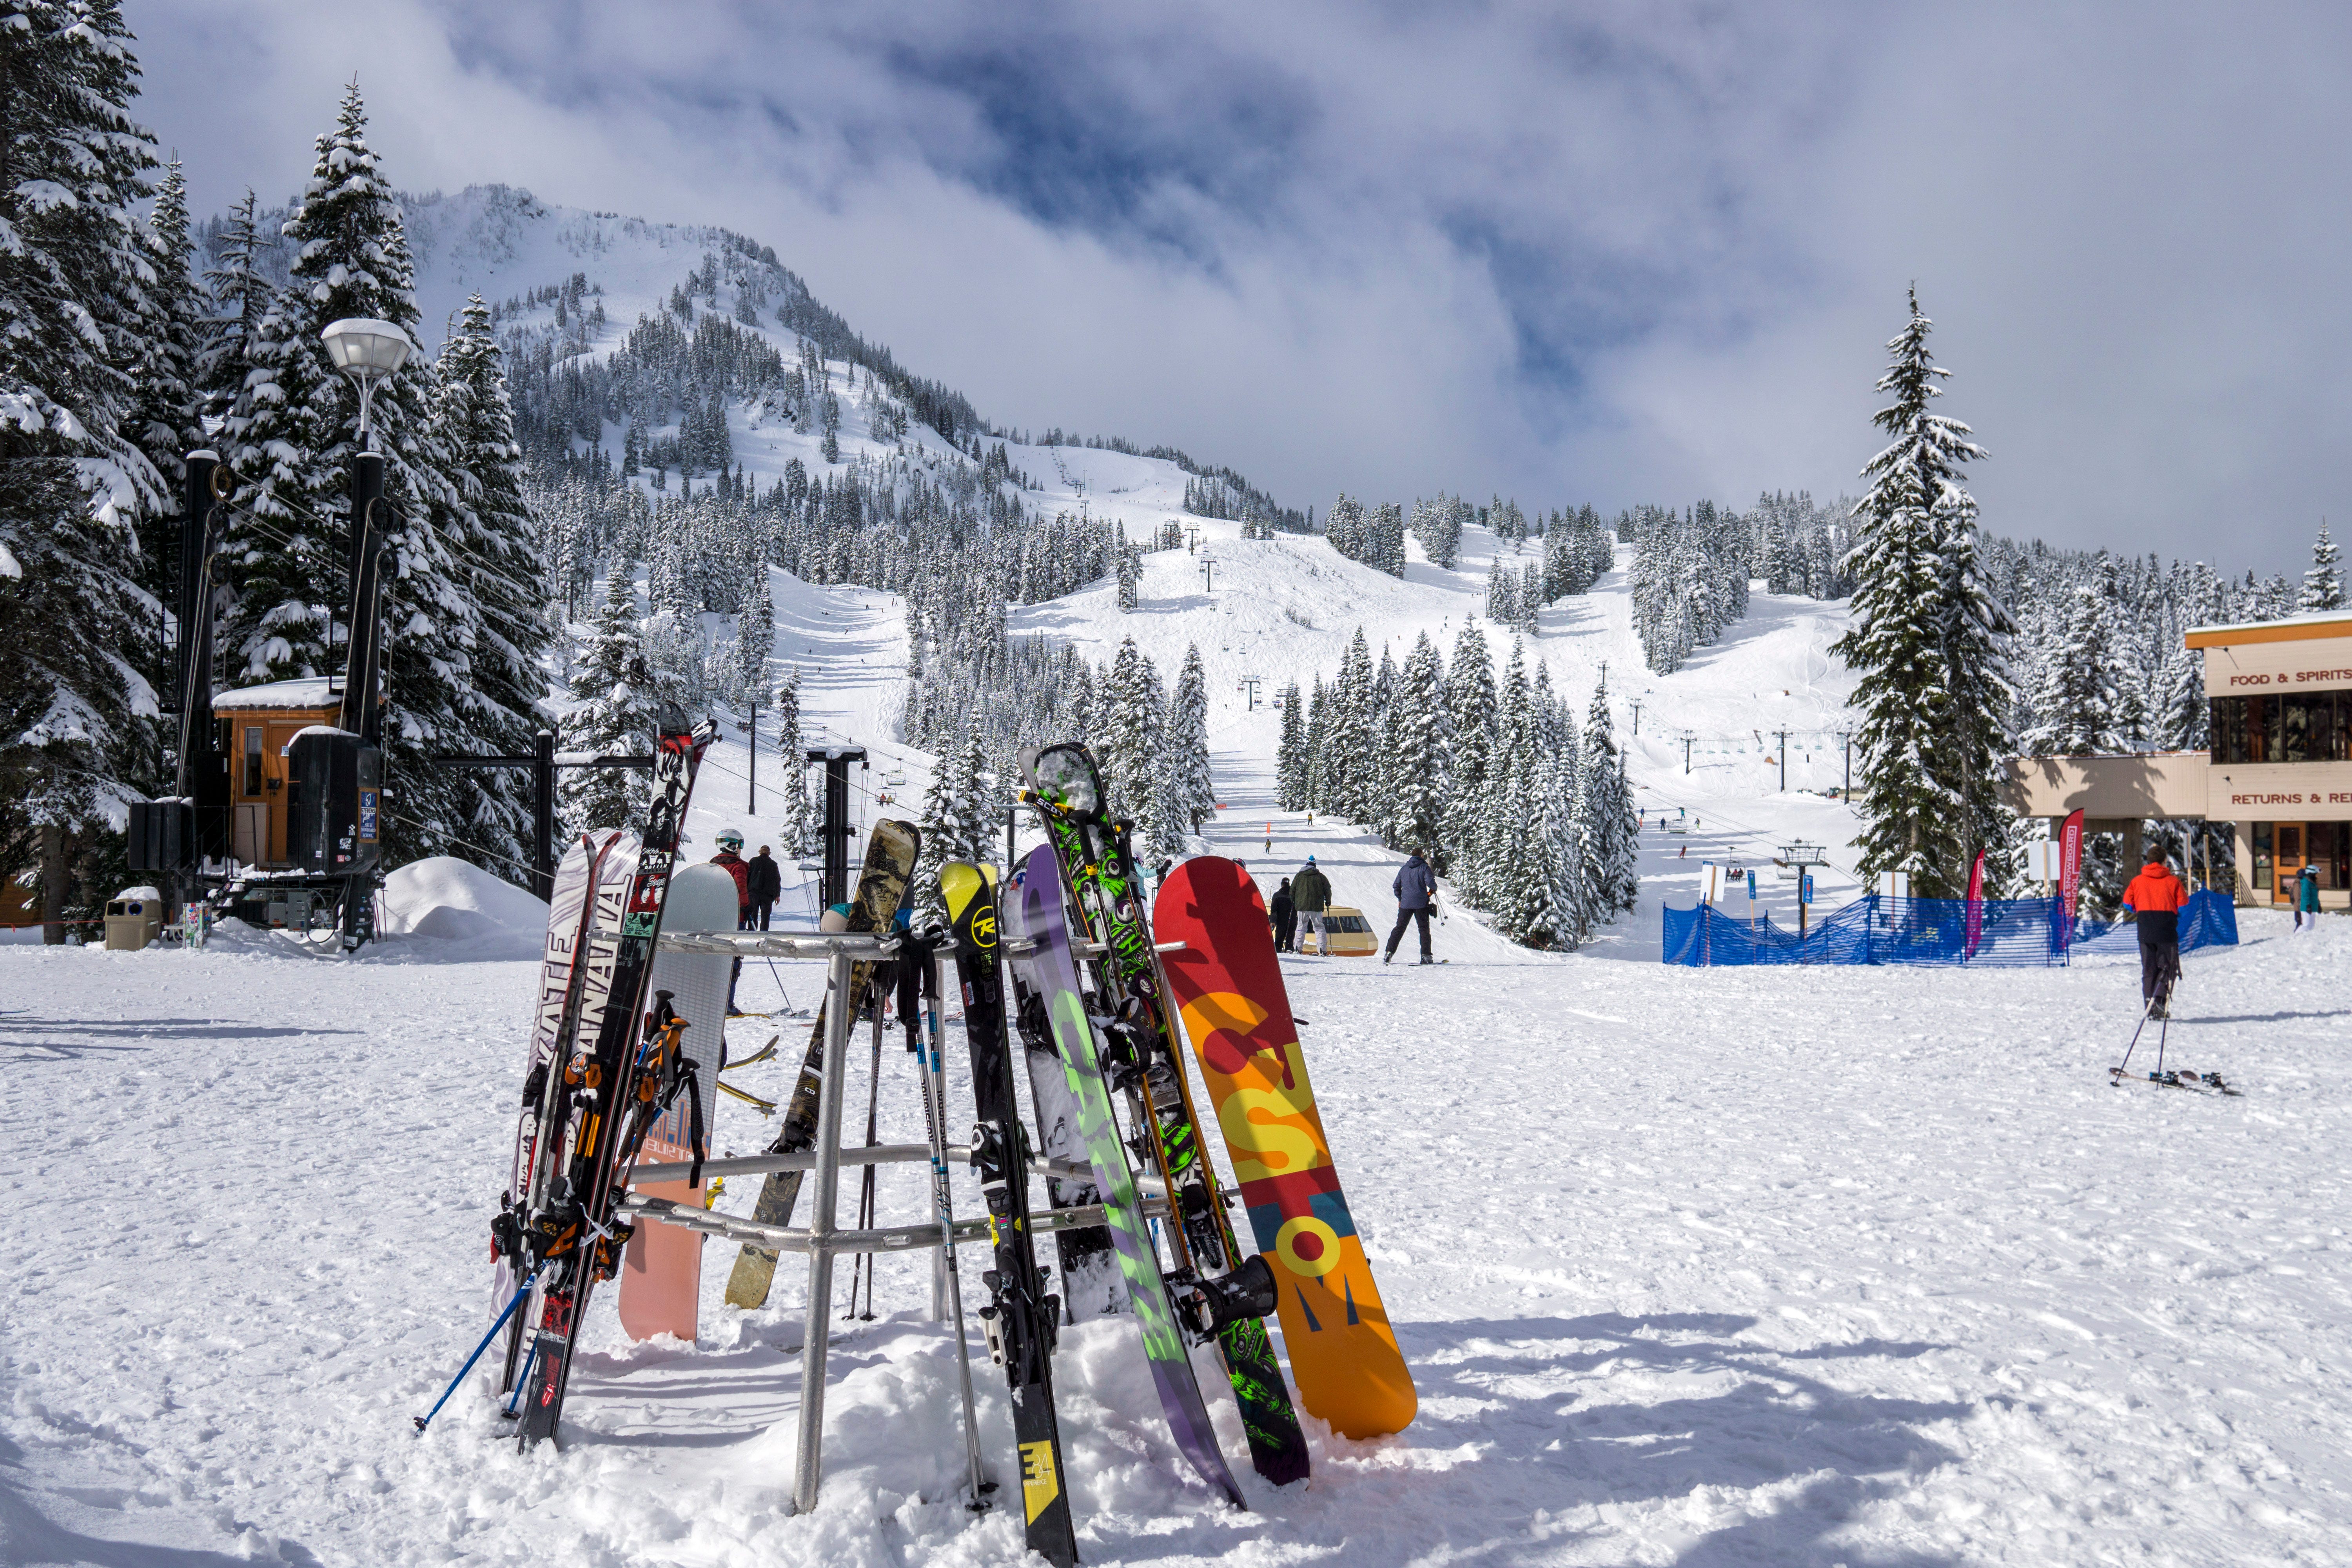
(2155, 898)
(730, 855)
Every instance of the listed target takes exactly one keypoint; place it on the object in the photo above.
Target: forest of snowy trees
(120, 359)
(1528, 816)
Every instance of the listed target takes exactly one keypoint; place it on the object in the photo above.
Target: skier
(766, 885)
(2155, 898)
(1269, 837)
(2306, 899)
(1416, 893)
(1285, 915)
(730, 855)
(1310, 891)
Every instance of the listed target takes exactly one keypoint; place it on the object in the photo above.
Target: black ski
(571, 1238)
(1020, 1318)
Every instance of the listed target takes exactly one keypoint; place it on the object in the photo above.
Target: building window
(253, 759)
(2255, 728)
(2311, 729)
(2262, 855)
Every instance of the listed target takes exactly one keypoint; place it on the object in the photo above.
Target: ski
(568, 1235)
(1220, 1292)
(882, 887)
(571, 921)
(2180, 1077)
(1020, 1318)
(1226, 986)
(1041, 949)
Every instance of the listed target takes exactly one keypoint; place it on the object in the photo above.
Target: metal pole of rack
(808, 1458)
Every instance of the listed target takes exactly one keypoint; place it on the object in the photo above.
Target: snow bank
(444, 899)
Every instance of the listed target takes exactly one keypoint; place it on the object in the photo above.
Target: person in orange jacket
(2155, 898)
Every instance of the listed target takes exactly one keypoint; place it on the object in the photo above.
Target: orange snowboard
(1227, 985)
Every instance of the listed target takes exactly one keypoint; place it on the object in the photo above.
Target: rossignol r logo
(983, 929)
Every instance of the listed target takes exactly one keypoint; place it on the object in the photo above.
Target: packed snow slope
(1860, 1266)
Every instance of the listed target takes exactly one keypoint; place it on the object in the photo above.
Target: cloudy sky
(1641, 251)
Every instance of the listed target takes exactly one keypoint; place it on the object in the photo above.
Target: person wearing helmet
(730, 855)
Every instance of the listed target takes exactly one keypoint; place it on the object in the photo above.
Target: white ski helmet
(731, 839)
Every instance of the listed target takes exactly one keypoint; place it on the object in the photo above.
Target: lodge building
(2279, 768)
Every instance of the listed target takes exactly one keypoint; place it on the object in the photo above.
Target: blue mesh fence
(2013, 932)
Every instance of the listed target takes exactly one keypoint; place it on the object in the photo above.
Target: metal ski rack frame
(822, 1239)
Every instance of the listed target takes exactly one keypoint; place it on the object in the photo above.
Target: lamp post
(368, 351)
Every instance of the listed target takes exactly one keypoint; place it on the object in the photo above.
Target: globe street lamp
(368, 351)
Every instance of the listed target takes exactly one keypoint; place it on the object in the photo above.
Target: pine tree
(164, 420)
(1291, 754)
(1131, 573)
(73, 482)
(755, 635)
(953, 826)
(1354, 726)
(1927, 640)
(1605, 821)
(2077, 706)
(1419, 760)
(801, 812)
(499, 570)
(1470, 729)
(613, 714)
(1571, 915)
(1192, 788)
(293, 444)
(2322, 585)
(242, 297)
(1130, 754)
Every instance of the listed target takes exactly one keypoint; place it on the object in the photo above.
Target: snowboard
(661, 1269)
(1227, 985)
(567, 1233)
(576, 976)
(1019, 1316)
(1041, 949)
(882, 887)
(1091, 1288)
(1220, 1291)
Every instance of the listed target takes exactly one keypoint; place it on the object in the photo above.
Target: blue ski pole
(523, 1291)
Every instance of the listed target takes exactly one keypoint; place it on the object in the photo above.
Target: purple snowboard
(1041, 946)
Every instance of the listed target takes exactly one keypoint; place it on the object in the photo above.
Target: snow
(444, 899)
(1864, 1266)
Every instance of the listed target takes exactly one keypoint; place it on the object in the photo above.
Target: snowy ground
(1860, 1266)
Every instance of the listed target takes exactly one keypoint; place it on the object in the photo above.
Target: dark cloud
(1611, 253)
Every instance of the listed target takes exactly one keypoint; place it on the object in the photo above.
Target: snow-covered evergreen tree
(293, 442)
(954, 825)
(2322, 585)
(1417, 765)
(498, 567)
(1470, 731)
(755, 635)
(1131, 753)
(2077, 705)
(1927, 639)
(164, 422)
(613, 715)
(1290, 752)
(74, 275)
(1350, 766)
(800, 813)
(1611, 851)
(1192, 789)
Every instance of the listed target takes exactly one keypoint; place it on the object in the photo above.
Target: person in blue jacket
(1416, 894)
(2306, 899)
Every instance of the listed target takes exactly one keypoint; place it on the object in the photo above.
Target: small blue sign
(1805, 890)
(1751, 885)
(367, 817)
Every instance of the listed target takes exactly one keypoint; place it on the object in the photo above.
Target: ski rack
(822, 1239)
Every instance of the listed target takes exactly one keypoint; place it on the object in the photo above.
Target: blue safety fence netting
(2012, 933)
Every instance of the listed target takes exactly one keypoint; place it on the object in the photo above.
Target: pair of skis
(602, 1071)
(2162, 1077)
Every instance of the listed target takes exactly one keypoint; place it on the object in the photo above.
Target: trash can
(133, 919)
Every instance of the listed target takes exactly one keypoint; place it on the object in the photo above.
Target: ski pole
(529, 1360)
(512, 1302)
(933, 1067)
